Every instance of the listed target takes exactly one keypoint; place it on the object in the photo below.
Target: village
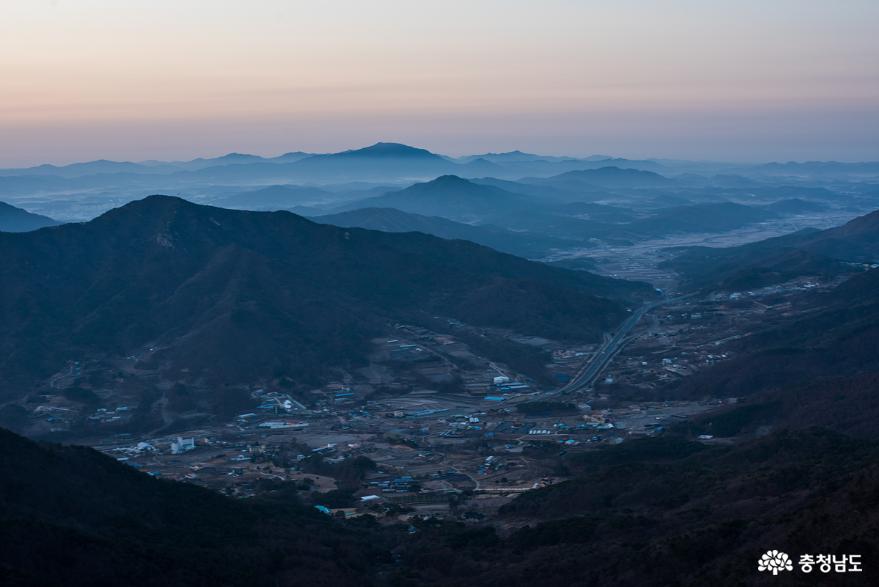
(431, 426)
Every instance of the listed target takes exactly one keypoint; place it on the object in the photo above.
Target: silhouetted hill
(278, 293)
(383, 151)
(607, 177)
(808, 252)
(291, 156)
(450, 196)
(817, 369)
(384, 160)
(857, 240)
(232, 158)
(14, 219)
(517, 157)
(666, 511)
(222, 160)
(393, 220)
(101, 166)
(479, 167)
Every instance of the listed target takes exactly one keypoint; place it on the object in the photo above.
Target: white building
(182, 445)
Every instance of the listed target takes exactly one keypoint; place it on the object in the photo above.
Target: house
(182, 445)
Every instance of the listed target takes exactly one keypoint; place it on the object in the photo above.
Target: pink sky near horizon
(746, 81)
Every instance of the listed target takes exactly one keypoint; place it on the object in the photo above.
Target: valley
(438, 294)
(449, 359)
(446, 430)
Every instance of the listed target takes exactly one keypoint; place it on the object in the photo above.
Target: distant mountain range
(513, 157)
(81, 191)
(523, 244)
(452, 197)
(279, 293)
(379, 161)
(555, 207)
(604, 177)
(14, 219)
(387, 160)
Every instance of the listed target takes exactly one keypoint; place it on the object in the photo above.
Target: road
(587, 374)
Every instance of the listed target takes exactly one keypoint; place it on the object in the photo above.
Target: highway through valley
(606, 352)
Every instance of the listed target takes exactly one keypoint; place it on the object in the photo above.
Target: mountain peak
(160, 200)
(449, 196)
(616, 172)
(233, 156)
(200, 279)
(399, 150)
(156, 206)
(382, 145)
(450, 180)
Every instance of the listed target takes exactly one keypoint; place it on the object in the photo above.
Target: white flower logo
(774, 561)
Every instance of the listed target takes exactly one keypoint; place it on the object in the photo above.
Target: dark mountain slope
(14, 219)
(393, 220)
(819, 369)
(857, 240)
(667, 511)
(275, 292)
(661, 511)
(72, 516)
(808, 252)
(606, 177)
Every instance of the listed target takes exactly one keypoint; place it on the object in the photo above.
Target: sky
(744, 80)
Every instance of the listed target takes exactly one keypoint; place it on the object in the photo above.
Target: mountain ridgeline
(522, 244)
(73, 516)
(807, 252)
(452, 197)
(238, 296)
(13, 219)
